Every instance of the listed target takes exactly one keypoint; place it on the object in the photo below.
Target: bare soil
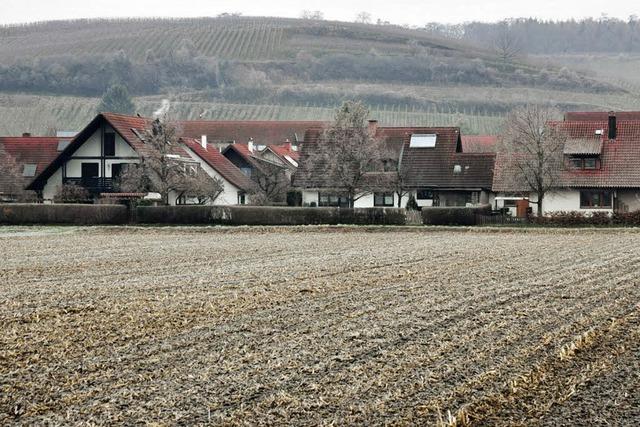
(313, 326)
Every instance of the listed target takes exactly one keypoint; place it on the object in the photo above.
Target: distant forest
(604, 35)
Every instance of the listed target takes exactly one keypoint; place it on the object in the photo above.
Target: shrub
(76, 214)
(453, 215)
(573, 219)
(631, 219)
(268, 215)
(71, 193)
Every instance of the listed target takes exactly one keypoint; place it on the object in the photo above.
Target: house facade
(96, 156)
(599, 170)
(427, 163)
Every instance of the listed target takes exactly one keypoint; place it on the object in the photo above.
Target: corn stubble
(311, 327)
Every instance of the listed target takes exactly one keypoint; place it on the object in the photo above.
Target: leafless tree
(272, 183)
(533, 151)
(349, 153)
(12, 183)
(363, 18)
(507, 43)
(400, 178)
(314, 15)
(163, 170)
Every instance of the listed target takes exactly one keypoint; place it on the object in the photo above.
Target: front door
(522, 208)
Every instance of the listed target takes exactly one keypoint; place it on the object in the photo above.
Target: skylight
(427, 140)
(29, 170)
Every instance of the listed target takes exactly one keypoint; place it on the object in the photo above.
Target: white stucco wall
(556, 201)
(230, 194)
(51, 187)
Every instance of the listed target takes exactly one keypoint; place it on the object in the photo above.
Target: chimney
(26, 134)
(373, 127)
(250, 145)
(613, 130)
(203, 141)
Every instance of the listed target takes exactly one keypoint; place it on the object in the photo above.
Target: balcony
(93, 185)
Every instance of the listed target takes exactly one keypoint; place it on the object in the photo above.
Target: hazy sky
(412, 12)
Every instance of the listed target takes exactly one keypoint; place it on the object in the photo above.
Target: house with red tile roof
(437, 170)
(600, 171)
(30, 155)
(95, 157)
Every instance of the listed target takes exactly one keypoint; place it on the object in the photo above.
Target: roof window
(423, 140)
(29, 170)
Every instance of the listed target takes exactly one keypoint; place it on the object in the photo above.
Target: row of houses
(600, 171)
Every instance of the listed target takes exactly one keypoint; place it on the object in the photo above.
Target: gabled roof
(220, 164)
(444, 166)
(427, 167)
(285, 152)
(619, 158)
(38, 151)
(130, 128)
(261, 132)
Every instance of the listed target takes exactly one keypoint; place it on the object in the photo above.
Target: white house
(95, 157)
(600, 171)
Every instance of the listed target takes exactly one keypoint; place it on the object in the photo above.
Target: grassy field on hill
(52, 74)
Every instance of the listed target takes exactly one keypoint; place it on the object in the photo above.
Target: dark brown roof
(220, 163)
(444, 166)
(620, 158)
(261, 132)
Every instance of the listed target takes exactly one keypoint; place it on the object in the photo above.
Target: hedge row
(453, 215)
(569, 218)
(250, 215)
(63, 214)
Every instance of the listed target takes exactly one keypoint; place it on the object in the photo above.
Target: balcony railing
(93, 185)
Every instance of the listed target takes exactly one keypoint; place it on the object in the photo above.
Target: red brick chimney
(373, 127)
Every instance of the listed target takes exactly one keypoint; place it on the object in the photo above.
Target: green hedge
(63, 214)
(453, 215)
(258, 215)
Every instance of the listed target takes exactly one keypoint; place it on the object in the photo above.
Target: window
(246, 171)
(242, 198)
(90, 170)
(116, 170)
(595, 199)
(585, 163)
(109, 144)
(424, 195)
(335, 200)
(423, 140)
(590, 163)
(510, 203)
(383, 199)
(29, 170)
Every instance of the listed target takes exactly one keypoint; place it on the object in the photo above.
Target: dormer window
(584, 163)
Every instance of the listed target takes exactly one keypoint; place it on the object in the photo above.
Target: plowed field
(309, 326)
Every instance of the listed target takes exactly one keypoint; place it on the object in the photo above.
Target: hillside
(52, 74)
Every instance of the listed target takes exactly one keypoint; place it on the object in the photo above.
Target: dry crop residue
(186, 326)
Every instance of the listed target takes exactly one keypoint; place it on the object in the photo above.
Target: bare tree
(349, 153)
(507, 43)
(314, 15)
(400, 178)
(532, 148)
(164, 171)
(272, 183)
(12, 183)
(363, 18)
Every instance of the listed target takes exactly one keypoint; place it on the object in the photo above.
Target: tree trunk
(540, 199)
(399, 200)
